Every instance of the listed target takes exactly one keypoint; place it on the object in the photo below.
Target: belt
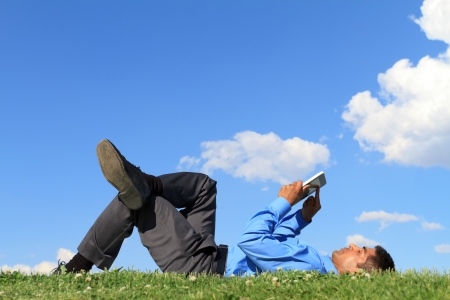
(222, 255)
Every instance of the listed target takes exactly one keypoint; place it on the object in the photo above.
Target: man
(175, 217)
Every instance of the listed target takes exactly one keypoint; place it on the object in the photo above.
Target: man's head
(353, 258)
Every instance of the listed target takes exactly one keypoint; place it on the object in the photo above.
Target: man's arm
(269, 251)
(293, 194)
(291, 225)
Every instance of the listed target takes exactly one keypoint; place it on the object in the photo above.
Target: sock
(78, 263)
(155, 184)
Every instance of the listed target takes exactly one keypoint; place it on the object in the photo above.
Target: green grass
(130, 284)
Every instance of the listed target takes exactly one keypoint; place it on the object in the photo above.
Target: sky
(254, 93)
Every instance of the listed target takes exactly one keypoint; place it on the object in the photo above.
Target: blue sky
(357, 89)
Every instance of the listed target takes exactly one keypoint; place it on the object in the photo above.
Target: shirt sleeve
(290, 226)
(267, 250)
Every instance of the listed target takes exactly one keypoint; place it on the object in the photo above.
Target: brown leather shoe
(124, 176)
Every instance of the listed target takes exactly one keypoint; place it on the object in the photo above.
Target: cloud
(444, 248)
(431, 226)
(44, 267)
(385, 218)
(187, 162)
(259, 157)
(360, 241)
(64, 254)
(411, 126)
(323, 138)
(435, 21)
(19, 267)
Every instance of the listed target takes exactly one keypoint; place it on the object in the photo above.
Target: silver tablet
(316, 180)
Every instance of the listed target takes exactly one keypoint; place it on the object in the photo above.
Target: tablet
(318, 180)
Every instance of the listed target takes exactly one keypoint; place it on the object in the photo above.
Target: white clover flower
(295, 280)
(286, 280)
(248, 282)
(192, 278)
(88, 288)
(279, 269)
(367, 275)
(147, 286)
(232, 275)
(353, 277)
(78, 275)
(308, 275)
(275, 279)
(122, 288)
(88, 279)
(253, 275)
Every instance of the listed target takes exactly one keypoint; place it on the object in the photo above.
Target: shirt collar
(328, 264)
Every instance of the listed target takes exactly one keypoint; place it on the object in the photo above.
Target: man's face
(347, 259)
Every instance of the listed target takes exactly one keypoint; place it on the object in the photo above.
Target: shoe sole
(113, 168)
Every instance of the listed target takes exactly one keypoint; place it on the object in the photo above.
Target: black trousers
(179, 241)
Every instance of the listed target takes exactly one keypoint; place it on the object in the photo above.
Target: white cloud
(44, 267)
(412, 125)
(19, 267)
(260, 157)
(265, 189)
(64, 254)
(431, 226)
(444, 248)
(385, 218)
(435, 20)
(188, 163)
(323, 138)
(361, 241)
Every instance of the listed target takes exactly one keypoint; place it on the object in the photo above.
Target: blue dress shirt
(269, 242)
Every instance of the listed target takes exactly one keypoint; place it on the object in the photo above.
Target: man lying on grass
(182, 240)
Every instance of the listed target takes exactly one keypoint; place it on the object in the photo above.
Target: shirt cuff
(301, 222)
(281, 206)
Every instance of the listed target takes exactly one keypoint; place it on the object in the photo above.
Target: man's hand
(293, 192)
(311, 206)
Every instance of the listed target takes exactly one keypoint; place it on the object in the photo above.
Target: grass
(129, 284)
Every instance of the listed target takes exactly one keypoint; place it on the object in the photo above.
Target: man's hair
(382, 260)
